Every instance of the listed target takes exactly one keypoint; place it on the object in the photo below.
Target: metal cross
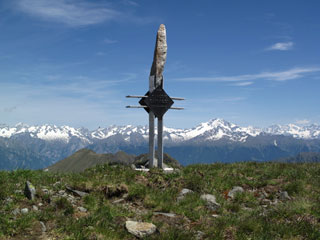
(156, 101)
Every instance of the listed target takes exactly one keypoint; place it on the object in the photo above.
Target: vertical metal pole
(160, 143)
(151, 129)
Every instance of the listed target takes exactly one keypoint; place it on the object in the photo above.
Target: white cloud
(100, 53)
(242, 84)
(303, 121)
(290, 74)
(82, 102)
(282, 46)
(130, 3)
(72, 13)
(109, 41)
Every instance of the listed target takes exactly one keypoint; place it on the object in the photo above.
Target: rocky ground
(219, 201)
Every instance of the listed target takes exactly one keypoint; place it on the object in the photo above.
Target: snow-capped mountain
(45, 132)
(216, 140)
(212, 130)
(304, 132)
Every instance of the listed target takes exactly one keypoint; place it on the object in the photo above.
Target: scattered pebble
(235, 190)
(284, 196)
(43, 227)
(199, 235)
(171, 215)
(82, 209)
(118, 201)
(16, 211)
(211, 201)
(24, 210)
(183, 193)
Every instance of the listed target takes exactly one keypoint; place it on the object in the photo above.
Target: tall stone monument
(156, 101)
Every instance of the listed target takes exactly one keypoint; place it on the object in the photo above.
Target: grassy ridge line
(244, 217)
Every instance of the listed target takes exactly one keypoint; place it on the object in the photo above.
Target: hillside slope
(86, 158)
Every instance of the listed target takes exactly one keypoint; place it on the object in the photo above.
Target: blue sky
(72, 62)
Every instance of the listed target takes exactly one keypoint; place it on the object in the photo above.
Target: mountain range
(217, 140)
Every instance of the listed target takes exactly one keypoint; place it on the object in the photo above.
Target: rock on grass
(140, 229)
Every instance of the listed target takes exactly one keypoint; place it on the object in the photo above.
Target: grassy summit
(117, 193)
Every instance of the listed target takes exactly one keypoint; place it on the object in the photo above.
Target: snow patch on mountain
(44, 132)
(212, 130)
(304, 132)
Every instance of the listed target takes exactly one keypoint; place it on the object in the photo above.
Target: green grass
(244, 217)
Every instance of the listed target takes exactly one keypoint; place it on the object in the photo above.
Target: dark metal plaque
(142, 102)
(158, 102)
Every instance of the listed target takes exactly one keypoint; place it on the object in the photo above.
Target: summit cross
(156, 101)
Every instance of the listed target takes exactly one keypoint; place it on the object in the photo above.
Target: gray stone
(170, 215)
(82, 209)
(199, 235)
(40, 204)
(43, 227)
(210, 201)
(140, 229)
(29, 191)
(18, 191)
(24, 210)
(16, 211)
(284, 196)
(62, 192)
(35, 208)
(118, 201)
(76, 192)
(56, 183)
(44, 190)
(183, 193)
(235, 190)
(247, 209)
(9, 200)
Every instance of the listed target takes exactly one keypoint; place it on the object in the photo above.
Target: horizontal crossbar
(174, 108)
(173, 98)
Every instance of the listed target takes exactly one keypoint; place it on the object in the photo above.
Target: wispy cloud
(84, 100)
(109, 41)
(100, 53)
(290, 74)
(281, 46)
(303, 121)
(130, 3)
(242, 84)
(70, 12)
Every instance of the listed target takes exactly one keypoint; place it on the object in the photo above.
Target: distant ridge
(36, 147)
(86, 158)
(303, 157)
